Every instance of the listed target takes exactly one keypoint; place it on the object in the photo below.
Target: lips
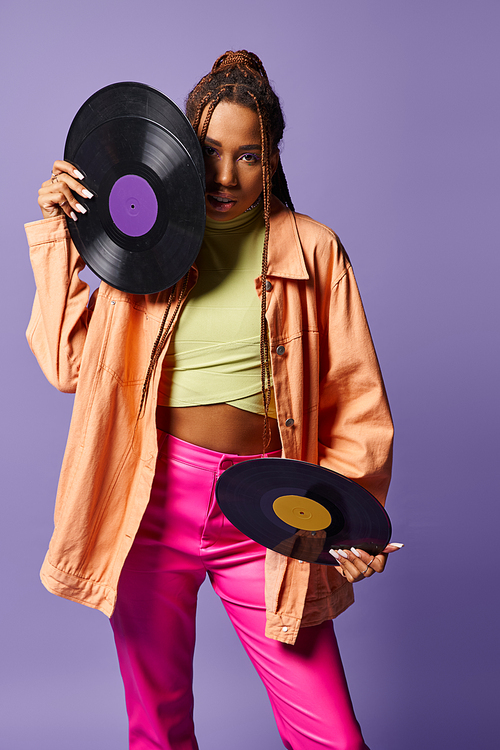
(220, 202)
(221, 199)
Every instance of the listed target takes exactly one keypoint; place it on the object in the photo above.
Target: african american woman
(261, 349)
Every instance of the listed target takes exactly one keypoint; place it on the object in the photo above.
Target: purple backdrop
(393, 140)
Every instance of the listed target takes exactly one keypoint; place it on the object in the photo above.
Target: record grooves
(144, 227)
(301, 510)
(129, 98)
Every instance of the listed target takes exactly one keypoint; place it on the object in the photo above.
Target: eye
(250, 158)
(209, 151)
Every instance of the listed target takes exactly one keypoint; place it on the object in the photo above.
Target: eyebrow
(253, 146)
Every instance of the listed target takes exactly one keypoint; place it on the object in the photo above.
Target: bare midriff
(218, 427)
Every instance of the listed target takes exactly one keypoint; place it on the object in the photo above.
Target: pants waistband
(172, 447)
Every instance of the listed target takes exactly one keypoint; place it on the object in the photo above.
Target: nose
(225, 173)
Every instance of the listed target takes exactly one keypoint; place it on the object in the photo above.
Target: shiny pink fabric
(182, 537)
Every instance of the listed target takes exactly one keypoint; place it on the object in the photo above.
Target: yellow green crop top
(214, 353)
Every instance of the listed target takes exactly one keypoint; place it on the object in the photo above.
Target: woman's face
(233, 161)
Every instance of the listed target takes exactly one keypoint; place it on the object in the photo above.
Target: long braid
(265, 358)
(206, 123)
(162, 337)
(280, 187)
(199, 111)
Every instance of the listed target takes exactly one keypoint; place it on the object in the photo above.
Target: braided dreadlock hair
(240, 77)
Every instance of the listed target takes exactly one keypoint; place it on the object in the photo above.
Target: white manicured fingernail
(397, 544)
(344, 554)
(80, 208)
(334, 554)
(87, 193)
(73, 215)
(78, 174)
(355, 552)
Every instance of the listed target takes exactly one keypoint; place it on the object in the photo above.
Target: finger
(354, 575)
(357, 564)
(65, 166)
(56, 197)
(380, 560)
(55, 204)
(377, 562)
(59, 193)
(71, 182)
(392, 547)
(364, 560)
(354, 566)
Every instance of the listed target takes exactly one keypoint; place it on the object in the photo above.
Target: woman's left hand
(356, 564)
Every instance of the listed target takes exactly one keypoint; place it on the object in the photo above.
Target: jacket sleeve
(59, 321)
(355, 425)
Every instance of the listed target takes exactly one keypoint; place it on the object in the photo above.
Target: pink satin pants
(182, 537)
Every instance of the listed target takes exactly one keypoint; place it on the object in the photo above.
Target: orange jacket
(331, 403)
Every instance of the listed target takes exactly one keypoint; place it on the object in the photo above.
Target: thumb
(392, 547)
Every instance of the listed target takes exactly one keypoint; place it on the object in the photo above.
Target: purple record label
(133, 205)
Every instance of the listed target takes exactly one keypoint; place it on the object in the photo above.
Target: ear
(274, 161)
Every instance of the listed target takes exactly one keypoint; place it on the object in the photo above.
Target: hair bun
(240, 59)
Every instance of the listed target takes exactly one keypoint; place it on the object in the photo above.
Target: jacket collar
(285, 256)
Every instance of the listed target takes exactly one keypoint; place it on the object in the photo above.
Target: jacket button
(269, 286)
(289, 422)
(280, 350)
(284, 629)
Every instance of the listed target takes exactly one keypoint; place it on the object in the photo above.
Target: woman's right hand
(57, 195)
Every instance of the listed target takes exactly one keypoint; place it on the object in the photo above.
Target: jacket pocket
(128, 341)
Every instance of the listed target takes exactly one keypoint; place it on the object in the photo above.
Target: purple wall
(393, 140)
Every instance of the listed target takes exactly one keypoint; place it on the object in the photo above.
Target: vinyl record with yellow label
(301, 510)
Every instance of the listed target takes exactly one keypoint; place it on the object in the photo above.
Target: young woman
(262, 348)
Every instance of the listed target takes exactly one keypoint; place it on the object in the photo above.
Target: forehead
(234, 125)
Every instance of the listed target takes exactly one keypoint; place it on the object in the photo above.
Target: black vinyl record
(143, 162)
(144, 227)
(301, 510)
(132, 99)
